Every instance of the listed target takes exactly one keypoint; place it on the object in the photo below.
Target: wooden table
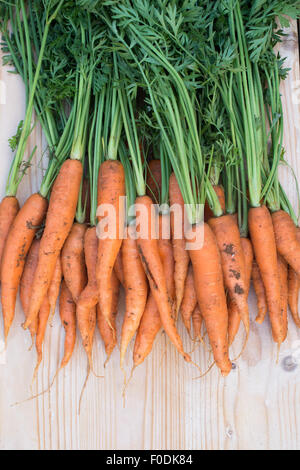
(256, 407)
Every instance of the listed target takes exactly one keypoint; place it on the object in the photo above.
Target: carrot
(211, 297)
(293, 289)
(148, 329)
(41, 330)
(260, 292)
(108, 334)
(165, 250)
(208, 213)
(181, 256)
(111, 190)
(293, 294)
(136, 290)
(197, 321)
(59, 220)
(151, 322)
(153, 181)
(118, 268)
(9, 207)
(53, 291)
(73, 261)
(18, 242)
(47, 309)
(233, 311)
(149, 253)
(264, 246)
(286, 239)
(189, 301)
(67, 312)
(283, 279)
(26, 282)
(228, 238)
(86, 304)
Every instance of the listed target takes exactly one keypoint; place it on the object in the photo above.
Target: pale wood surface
(256, 407)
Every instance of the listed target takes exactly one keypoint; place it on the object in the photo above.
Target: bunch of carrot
(170, 105)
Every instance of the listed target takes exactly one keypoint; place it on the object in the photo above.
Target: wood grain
(256, 407)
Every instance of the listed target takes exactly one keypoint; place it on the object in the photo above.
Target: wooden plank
(256, 407)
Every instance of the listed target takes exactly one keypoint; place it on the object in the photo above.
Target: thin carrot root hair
(206, 372)
(125, 385)
(84, 387)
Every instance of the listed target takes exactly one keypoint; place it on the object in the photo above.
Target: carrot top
(18, 48)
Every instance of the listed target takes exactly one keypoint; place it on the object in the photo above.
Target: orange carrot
(197, 321)
(148, 329)
(283, 279)
(149, 253)
(107, 333)
(40, 335)
(111, 190)
(73, 261)
(153, 181)
(286, 239)
(59, 220)
(228, 238)
(26, 282)
(262, 306)
(208, 213)
(18, 242)
(165, 250)
(233, 311)
(9, 207)
(211, 297)
(118, 268)
(181, 255)
(151, 323)
(67, 312)
(86, 304)
(189, 300)
(264, 246)
(293, 295)
(53, 291)
(136, 290)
